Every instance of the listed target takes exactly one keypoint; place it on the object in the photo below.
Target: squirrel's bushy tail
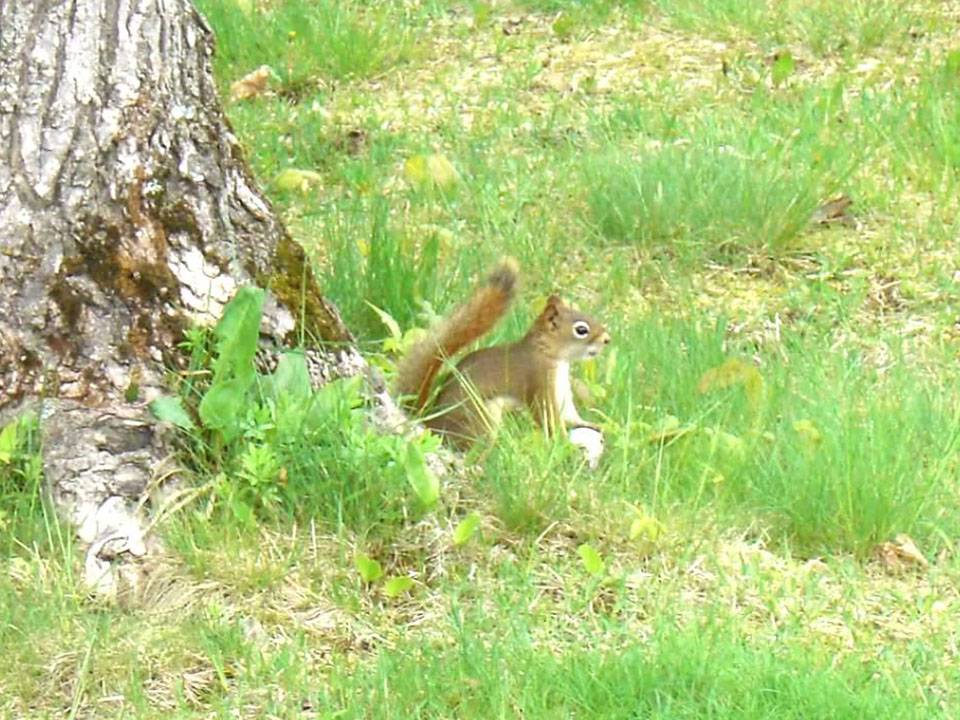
(468, 322)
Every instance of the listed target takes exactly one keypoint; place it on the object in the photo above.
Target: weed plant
(275, 444)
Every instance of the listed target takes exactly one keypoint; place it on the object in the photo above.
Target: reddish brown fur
(470, 321)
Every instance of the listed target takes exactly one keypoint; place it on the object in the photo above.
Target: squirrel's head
(568, 334)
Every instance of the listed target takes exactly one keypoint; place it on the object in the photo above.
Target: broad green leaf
(291, 377)
(334, 401)
(592, 561)
(369, 569)
(237, 333)
(241, 511)
(721, 376)
(564, 25)
(295, 180)
(668, 424)
(396, 586)
(167, 408)
(782, 66)
(466, 528)
(8, 442)
(221, 407)
(711, 475)
(425, 484)
(13, 434)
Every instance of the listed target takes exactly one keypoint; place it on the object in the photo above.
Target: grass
(820, 26)
(696, 672)
(779, 400)
(847, 471)
(348, 32)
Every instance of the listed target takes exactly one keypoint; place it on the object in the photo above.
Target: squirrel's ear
(551, 311)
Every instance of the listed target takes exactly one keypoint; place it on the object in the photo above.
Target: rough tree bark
(126, 213)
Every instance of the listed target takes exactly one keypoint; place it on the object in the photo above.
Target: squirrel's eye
(581, 329)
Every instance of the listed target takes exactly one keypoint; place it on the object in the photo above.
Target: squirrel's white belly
(562, 395)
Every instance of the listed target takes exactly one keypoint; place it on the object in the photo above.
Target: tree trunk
(126, 213)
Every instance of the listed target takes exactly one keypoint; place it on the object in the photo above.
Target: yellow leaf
(900, 553)
(433, 170)
(293, 179)
(251, 84)
(734, 371)
(807, 430)
(8, 442)
(415, 168)
(668, 424)
(441, 171)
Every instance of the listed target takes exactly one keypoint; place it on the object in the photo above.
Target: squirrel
(533, 372)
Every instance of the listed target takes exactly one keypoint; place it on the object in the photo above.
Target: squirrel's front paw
(590, 440)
